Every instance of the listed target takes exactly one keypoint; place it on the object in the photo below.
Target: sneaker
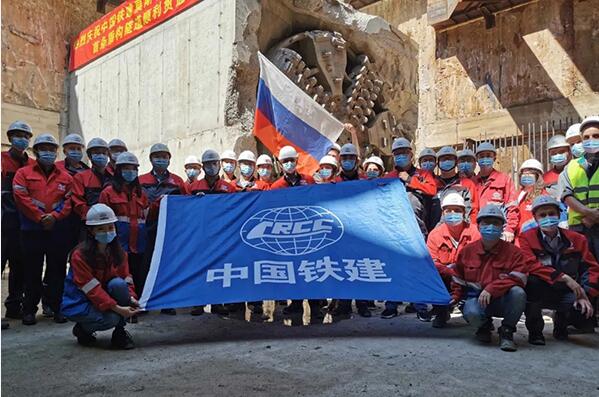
(294, 308)
(506, 339)
(441, 319)
(424, 316)
(47, 311)
(59, 318)
(537, 339)
(483, 335)
(29, 319)
(170, 312)
(389, 313)
(197, 311)
(121, 339)
(83, 338)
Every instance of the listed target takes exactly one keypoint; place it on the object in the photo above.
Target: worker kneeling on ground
(99, 294)
(491, 274)
(564, 275)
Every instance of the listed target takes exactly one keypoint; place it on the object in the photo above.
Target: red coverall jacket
(221, 186)
(62, 165)
(442, 249)
(499, 189)
(460, 184)
(10, 165)
(87, 186)
(172, 184)
(419, 180)
(575, 259)
(496, 271)
(37, 194)
(284, 182)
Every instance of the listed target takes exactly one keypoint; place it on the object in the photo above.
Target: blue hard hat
(486, 147)
(446, 151)
(20, 126)
(491, 211)
(348, 150)
(544, 200)
(466, 153)
(427, 152)
(401, 143)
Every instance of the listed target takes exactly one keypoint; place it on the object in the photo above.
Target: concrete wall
(168, 85)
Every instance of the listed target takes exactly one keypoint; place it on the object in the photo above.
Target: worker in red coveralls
(490, 274)
(445, 243)
(559, 156)
(99, 293)
(497, 188)
(19, 133)
(566, 274)
(41, 192)
(158, 183)
(421, 188)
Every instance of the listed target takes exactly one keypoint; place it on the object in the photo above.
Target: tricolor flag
(286, 115)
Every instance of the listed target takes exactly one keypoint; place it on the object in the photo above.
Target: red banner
(124, 23)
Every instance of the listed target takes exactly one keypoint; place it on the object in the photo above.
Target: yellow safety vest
(587, 192)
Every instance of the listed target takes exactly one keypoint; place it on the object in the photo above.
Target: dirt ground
(210, 356)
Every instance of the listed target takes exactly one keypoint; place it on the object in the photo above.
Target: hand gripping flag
(352, 240)
(286, 115)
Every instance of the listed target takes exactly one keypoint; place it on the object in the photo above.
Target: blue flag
(352, 240)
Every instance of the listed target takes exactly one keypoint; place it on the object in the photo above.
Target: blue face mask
(289, 166)
(549, 222)
(46, 157)
(527, 180)
(160, 163)
(591, 146)
(105, 237)
(465, 167)
(447, 165)
(325, 173)
(348, 165)
(129, 175)
(558, 159)
(229, 168)
(192, 173)
(212, 169)
(577, 150)
(99, 160)
(246, 170)
(490, 232)
(401, 160)
(264, 172)
(453, 218)
(75, 155)
(372, 174)
(486, 162)
(20, 143)
(428, 165)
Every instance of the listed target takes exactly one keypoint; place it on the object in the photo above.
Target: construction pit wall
(191, 82)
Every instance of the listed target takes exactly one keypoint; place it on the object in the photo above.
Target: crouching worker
(491, 274)
(565, 274)
(98, 291)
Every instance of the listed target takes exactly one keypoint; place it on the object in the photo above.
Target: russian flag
(286, 115)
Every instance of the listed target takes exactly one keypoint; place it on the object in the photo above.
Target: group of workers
(500, 252)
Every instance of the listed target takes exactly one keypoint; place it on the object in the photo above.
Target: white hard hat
(247, 155)
(330, 160)
(20, 126)
(532, 164)
(116, 142)
(264, 159)
(573, 130)
(335, 146)
(228, 155)
(453, 198)
(97, 143)
(45, 138)
(557, 141)
(191, 160)
(375, 160)
(126, 158)
(287, 152)
(588, 121)
(100, 214)
(73, 138)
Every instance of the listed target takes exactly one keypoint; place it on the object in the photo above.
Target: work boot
(14, 314)
(47, 311)
(389, 313)
(170, 312)
(83, 338)
(121, 339)
(59, 318)
(29, 319)
(221, 310)
(506, 339)
(197, 311)
(294, 308)
(441, 319)
(536, 338)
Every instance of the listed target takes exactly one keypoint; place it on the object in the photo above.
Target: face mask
(558, 159)
(46, 157)
(264, 172)
(401, 160)
(486, 162)
(20, 143)
(527, 180)
(372, 174)
(453, 218)
(490, 232)
(447, 165)
(211, 170)
(466, 168)
(129, 175)
(115, 155)
(160, 164)
(428, 165)
(289, 166)
(549, 222)
(192, 173)
(75, 155)
(246, 170)
(105, 237)
(348, 165)
(100, 160)
(591, 146)
(577, 150)
(325, 173)
(228, 167)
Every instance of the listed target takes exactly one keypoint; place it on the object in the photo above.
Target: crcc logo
(292, 231)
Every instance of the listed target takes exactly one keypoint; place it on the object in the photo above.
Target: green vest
(587, 192)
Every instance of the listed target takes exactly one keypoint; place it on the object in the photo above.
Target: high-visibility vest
(587, 192)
